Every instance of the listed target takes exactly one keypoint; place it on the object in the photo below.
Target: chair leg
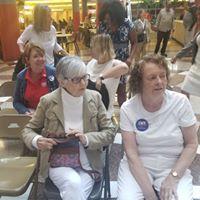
(107, 193)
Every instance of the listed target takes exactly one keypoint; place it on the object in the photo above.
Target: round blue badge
(142, 124)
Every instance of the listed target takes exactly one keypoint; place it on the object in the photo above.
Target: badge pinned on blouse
(142, 124)
(51, 78)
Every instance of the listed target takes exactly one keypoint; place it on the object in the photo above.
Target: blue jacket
(19, 102)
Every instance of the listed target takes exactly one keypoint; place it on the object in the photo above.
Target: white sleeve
(26, 35)
(125, 122)
(34, 141)
(186, 115)
(89, 66)
(116, 62)
(57, 47)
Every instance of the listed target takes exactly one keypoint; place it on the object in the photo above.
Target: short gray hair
(70, 67)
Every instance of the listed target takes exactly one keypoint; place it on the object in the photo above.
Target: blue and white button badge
(142, 124)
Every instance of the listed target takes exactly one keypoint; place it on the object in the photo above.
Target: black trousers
(162, 36)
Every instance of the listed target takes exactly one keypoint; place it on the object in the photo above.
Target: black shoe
(164, 54)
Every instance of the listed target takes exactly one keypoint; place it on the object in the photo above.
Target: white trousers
(72, 185)
(128, 188)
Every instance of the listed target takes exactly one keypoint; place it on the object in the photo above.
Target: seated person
(34, 81)
(159, 134)
(103, 68)
(70, 111)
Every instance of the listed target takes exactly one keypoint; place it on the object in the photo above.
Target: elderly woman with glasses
(70, 113)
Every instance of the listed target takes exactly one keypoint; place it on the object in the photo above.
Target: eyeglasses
(77, 80)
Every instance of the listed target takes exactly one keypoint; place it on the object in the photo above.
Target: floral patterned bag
(66, 154)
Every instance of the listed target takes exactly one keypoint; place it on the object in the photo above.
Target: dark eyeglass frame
(77, 80)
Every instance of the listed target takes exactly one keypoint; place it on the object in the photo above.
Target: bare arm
(189, 151)
(186, 50)
(169, 185)
(119, 68)
(136, 167)
(133, 41)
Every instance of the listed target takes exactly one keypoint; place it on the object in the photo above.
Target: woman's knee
(73, 182)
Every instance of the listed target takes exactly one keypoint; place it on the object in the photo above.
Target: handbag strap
(94, 174)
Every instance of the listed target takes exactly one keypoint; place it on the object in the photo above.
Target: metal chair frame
(10, 130)
(7, 88)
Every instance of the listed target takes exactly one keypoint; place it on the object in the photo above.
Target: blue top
(120, 38)
(19, 102)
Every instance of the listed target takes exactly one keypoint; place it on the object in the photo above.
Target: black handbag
(141, 37)
(103, 91)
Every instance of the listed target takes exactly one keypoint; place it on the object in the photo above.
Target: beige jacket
(49, 117)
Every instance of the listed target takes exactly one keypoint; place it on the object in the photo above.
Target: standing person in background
(34, 81)
(164, 25)
(189, 20)
(42, 32)
(70, 25)
(197, 24)
(191, 84)
(87, 22)
(113, 21)
(141, 26)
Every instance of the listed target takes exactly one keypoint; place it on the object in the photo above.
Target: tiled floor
(180, 68)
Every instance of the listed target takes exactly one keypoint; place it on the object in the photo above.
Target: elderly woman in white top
(103, 68)
(159, 136)
(71, 111)
(43, 33)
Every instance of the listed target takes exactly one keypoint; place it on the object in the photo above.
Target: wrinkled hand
(45, 143)
(169, 188)
(98, 83)
(79, 135)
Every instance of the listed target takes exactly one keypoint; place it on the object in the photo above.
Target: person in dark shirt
(113, 21)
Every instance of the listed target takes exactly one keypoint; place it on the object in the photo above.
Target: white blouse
(95, 69)
(45, 39)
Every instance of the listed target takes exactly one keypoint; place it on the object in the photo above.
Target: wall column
(84, 9)
(9, 30)
(76, 14)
